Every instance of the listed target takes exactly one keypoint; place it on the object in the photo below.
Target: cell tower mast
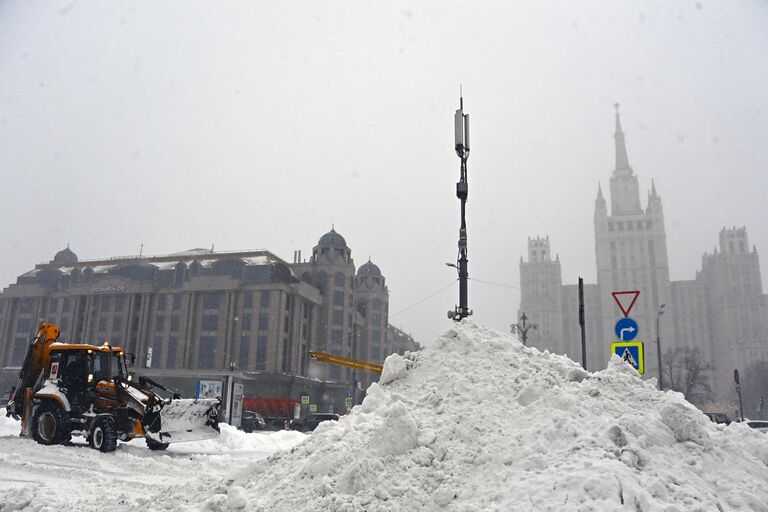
(461, 128)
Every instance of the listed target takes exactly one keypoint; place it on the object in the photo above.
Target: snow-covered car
(718, 417)
(252, 421)
(311, 422)
(760, 425)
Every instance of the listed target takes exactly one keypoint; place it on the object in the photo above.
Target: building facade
(722, 312)
(248, 312)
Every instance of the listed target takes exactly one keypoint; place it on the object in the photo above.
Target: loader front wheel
(50, 424)
(103, 435)
(154, 445)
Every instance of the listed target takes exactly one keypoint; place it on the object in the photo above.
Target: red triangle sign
(626, 300)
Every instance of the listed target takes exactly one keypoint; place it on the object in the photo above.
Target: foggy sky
(261, 124)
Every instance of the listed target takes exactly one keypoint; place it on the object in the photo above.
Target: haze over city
(261, 125)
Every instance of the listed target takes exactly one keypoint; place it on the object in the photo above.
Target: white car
(760, 425)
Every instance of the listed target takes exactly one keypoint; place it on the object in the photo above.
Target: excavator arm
(37, 359)
(357, 364)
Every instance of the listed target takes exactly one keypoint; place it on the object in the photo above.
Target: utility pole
(582, 324)
(461, 129)
(658, 346)
(522, 328)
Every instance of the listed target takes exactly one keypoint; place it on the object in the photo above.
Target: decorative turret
(65, 257)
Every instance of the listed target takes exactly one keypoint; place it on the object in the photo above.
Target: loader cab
(78, 367)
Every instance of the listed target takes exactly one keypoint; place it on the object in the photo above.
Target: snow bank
(477, 422)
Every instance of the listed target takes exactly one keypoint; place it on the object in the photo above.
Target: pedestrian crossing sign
(631, 352)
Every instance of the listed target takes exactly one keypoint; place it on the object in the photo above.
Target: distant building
(723, 311)
(239, 311)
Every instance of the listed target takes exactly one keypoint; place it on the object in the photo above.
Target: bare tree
(688, 373)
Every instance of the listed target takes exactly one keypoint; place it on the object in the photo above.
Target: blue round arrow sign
(626, 329)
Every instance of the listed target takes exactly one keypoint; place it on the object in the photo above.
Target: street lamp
(658, 345)
(522, 328)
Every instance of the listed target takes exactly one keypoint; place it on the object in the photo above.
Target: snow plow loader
(67, 389)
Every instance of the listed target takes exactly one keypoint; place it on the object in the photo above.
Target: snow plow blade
(183, 420)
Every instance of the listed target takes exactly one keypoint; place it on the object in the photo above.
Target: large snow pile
(477, 422)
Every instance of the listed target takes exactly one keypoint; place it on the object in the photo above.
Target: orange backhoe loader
(67, 389)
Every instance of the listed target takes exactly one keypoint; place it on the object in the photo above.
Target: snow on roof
(479, 422)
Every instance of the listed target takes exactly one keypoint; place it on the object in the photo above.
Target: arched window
(339, 279)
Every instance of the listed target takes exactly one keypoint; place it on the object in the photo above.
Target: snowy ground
(475, 422)
(77, 478)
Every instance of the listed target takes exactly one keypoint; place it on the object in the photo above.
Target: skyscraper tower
(631, 253)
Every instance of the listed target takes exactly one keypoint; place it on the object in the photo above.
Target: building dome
(66, 257)
(333, 239)
(369, 269)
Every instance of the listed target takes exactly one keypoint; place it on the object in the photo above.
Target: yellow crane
(324, 357)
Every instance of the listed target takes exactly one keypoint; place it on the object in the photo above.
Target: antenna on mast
(461, 130)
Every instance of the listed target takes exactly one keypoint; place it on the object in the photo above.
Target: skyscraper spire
(622, 161)
(600, 197)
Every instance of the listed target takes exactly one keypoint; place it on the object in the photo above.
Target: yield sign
(626, 300)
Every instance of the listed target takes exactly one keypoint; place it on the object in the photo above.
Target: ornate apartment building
(722, 312)
(196, 311)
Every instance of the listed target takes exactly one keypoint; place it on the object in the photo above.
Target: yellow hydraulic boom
(357, 364)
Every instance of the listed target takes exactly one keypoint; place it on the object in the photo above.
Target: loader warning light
(90, 378)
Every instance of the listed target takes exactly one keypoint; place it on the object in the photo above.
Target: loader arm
(357, 364)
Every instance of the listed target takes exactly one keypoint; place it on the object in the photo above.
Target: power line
(495, 284)
(424, 299)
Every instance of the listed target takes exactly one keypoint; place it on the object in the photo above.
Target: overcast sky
(250, 125)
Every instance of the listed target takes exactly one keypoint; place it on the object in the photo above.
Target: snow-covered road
(77, 478)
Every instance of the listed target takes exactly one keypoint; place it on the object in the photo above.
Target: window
(176, 301)
(610, 226)
(376, 304)
(376, 336)
(245, 351)
(248, 300)
(261, 353)
(336, 337)
(376, 318)
(621, 226)
(160, 324)
(24, 325)
(161, 302)
(339, 280)
(245, 324)
(172, 342)
(212, 300)
(286, 324)
(103, 324)
(648, 224)
(206, 355)
(19, 351)
(175, 323)
(265, 295)
(26, 305)
(54, 305)
(117, 323)
(338, 317)
(67, 305)
(210, 323)
(263, 321)
(119, 304)
(157, 353)
(338, 298)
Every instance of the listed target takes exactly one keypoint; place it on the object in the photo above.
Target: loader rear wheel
(50, 424)
(103, 435)
(154, 445)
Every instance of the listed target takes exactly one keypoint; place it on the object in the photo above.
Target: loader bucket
(183, 420)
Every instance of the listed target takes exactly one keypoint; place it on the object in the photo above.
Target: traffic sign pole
(738, 390)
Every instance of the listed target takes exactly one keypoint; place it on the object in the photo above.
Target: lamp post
(658, 345)
(522, 328)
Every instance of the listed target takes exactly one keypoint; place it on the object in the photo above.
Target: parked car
(309, 423)
(719, 417)
(760, 425)
(252, 421)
